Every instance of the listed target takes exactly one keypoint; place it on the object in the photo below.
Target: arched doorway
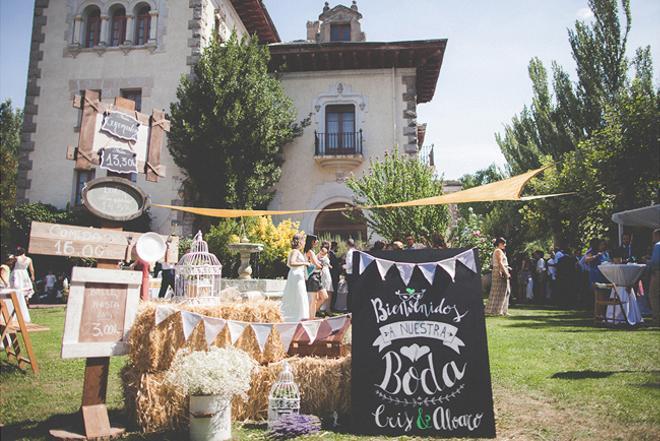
(336, 223)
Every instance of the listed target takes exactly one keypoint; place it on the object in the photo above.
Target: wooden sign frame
(115, 181)
(88, 242)
(72, 347)
(87, 153)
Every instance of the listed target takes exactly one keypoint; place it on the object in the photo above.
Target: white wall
(304, 183)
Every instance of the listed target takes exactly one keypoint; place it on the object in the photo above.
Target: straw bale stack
(153, 347)
(324, 384)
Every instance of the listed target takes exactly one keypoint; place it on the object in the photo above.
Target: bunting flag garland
(467, 259)
(383, 267)
(286, 331)
(212, 327)
(261, 332)
(406, 271)
(449, 266)
(311, 328)
(336, 323)
(365, 260)
(163, 312)
(428, 271)
(189, 320)
(427, 268)
(235, 330)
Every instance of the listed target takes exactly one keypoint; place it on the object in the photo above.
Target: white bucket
(210, 418)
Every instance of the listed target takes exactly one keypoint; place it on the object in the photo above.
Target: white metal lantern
(284, 397)
(198, 274)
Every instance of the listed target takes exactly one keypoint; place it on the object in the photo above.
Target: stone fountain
(245, 248)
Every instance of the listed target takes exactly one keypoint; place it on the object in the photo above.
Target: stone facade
(60, 67)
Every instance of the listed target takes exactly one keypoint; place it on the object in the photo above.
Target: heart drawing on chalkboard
(414, 352)
(410, 291)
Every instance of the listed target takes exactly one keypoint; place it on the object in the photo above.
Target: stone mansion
(362, 95)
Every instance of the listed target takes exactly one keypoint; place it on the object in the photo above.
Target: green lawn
(555, 377)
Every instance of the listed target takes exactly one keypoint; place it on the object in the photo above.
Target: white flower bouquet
(224, 372)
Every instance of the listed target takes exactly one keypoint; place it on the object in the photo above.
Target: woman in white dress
(295, 305)
(22, 280)
(326, 277)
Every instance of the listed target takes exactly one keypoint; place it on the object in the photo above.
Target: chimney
(312, 30)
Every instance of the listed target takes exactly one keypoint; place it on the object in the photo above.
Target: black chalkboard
(121, 126)
(419, 355)
(119, 160)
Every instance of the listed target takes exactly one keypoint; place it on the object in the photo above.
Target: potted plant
(211, 379)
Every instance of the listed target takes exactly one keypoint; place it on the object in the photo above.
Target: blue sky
(483, 81)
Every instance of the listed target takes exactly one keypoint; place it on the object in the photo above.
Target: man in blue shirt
(654, 288)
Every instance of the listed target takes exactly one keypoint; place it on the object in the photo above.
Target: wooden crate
(327, 344)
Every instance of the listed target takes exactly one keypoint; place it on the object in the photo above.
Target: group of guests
(315, 281)
(319, 281)
(567, 278)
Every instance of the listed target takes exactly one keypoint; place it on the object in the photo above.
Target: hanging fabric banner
(336, 323)
(311, 327)
(189, 320)
(235, 330)
(212, 327)
(286, 332)
(406, 271)
(467, 259)
(365, 261)
(261, 332)
(428, 270)
(449, 266)
(505, 190)
(383, 267)
(163, 312)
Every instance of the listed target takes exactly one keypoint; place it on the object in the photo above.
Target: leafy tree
(599, 133)
(395, 179)
(11, 121)
(229, 125)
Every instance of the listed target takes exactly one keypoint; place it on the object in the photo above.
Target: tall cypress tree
(229, 126)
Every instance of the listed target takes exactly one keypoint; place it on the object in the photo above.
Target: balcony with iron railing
(338, 149)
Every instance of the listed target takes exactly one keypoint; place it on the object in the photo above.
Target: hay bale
(152, 348)
(151, 403)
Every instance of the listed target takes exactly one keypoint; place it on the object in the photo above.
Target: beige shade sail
(505, 190)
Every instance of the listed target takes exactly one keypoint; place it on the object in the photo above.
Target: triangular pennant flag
(286, 331)
(383, 267)
(336, 323)
(467, 259)
(163, 312)
(235, 330)
(428, 270)
(311, 327)
(189, 320)
(365, 261)
(406, 271)
(212, 327)
(261, 331)
(449, 265)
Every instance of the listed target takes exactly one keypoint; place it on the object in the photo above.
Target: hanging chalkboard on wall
(420, 356)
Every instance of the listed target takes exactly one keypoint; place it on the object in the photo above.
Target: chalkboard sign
(104, 307)
(100, 311)
(114, 199)
(419, 355)
(121, 125)
(119, 160)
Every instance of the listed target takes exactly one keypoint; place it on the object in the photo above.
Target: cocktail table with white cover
(624, 277)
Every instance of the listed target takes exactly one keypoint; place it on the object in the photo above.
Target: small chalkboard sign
(121, 125)
(419, 354)
(119, 160)
(114, 199)
(101, 309)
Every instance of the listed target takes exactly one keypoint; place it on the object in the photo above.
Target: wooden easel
(9, 334)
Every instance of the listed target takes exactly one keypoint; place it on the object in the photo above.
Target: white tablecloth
(21, 301)
(624, 277)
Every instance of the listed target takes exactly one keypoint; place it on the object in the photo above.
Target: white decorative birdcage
(284, 397)
(198, 275)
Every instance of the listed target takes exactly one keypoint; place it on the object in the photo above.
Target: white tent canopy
(647, 217)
